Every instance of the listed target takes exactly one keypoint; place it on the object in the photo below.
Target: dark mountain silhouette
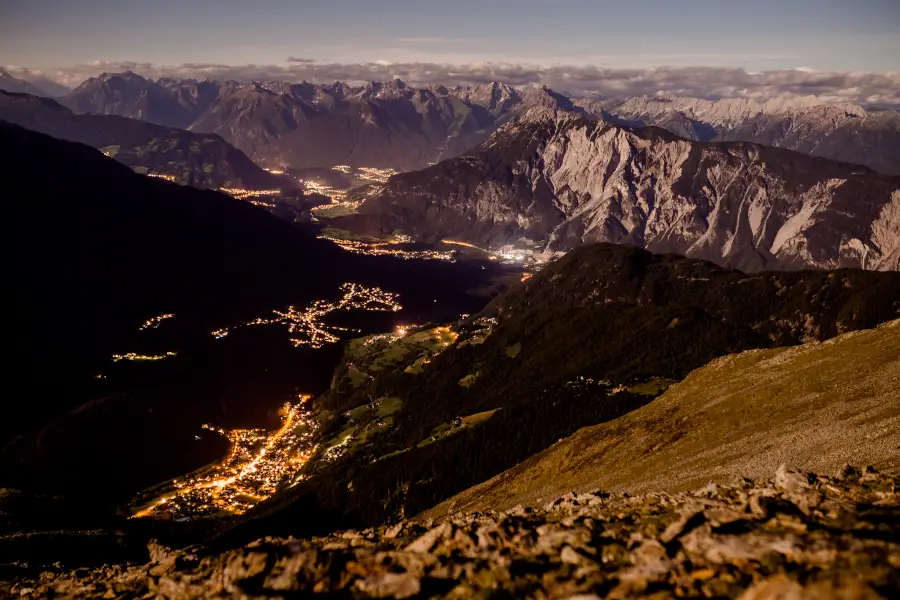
(195, 159)
(98, 248)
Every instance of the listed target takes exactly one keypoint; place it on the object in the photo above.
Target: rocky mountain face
(552, 180)
(796, 535)
(171, 103)
(844, 132)
(194, 159)
(412, 420)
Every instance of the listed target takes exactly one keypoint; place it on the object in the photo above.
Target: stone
(778, 587)
(791, 479)
(687, 520)
(390, 585)
(569, 555)
(848, 470)
(427, 541)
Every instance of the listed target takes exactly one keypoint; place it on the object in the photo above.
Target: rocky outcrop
(552, 180)
(798, 535)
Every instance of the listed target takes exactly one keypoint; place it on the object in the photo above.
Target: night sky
(829, 35)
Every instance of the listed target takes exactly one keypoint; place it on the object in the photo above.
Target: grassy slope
(818, 406)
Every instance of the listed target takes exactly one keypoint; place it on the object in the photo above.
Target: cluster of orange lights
(258, 463)
(306, 326)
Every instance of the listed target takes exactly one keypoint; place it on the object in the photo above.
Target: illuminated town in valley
(389, 248)
(153, 322)
(359, 176)
(305, 325)
(257, 463)
(141, 357)
(250, 195)
(161, 176)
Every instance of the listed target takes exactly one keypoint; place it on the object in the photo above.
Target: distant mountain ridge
(395, 125)
(304, 125)
(553, 180)
(846, 132)
(10, 83)
(195, 159)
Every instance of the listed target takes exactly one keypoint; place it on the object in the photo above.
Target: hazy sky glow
(831, 35)
(71, 38)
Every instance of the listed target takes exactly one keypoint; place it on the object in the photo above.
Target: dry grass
(817, 406)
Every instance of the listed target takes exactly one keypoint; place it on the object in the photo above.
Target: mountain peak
(10, 83)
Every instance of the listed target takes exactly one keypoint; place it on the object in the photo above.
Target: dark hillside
(98, 248)
(197, 159)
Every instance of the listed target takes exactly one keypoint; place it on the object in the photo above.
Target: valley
(401, 329)
(177, 356)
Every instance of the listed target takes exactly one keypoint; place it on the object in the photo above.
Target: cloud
(869, 89)
(305, 61)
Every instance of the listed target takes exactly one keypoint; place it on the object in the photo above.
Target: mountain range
(394, 125)
(387, 125)
(195, 159)
(551, 180)
(36, 83)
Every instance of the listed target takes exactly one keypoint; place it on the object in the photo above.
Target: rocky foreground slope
(552, 180)
(797, 535)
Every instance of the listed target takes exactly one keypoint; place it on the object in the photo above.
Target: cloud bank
(868, 89)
